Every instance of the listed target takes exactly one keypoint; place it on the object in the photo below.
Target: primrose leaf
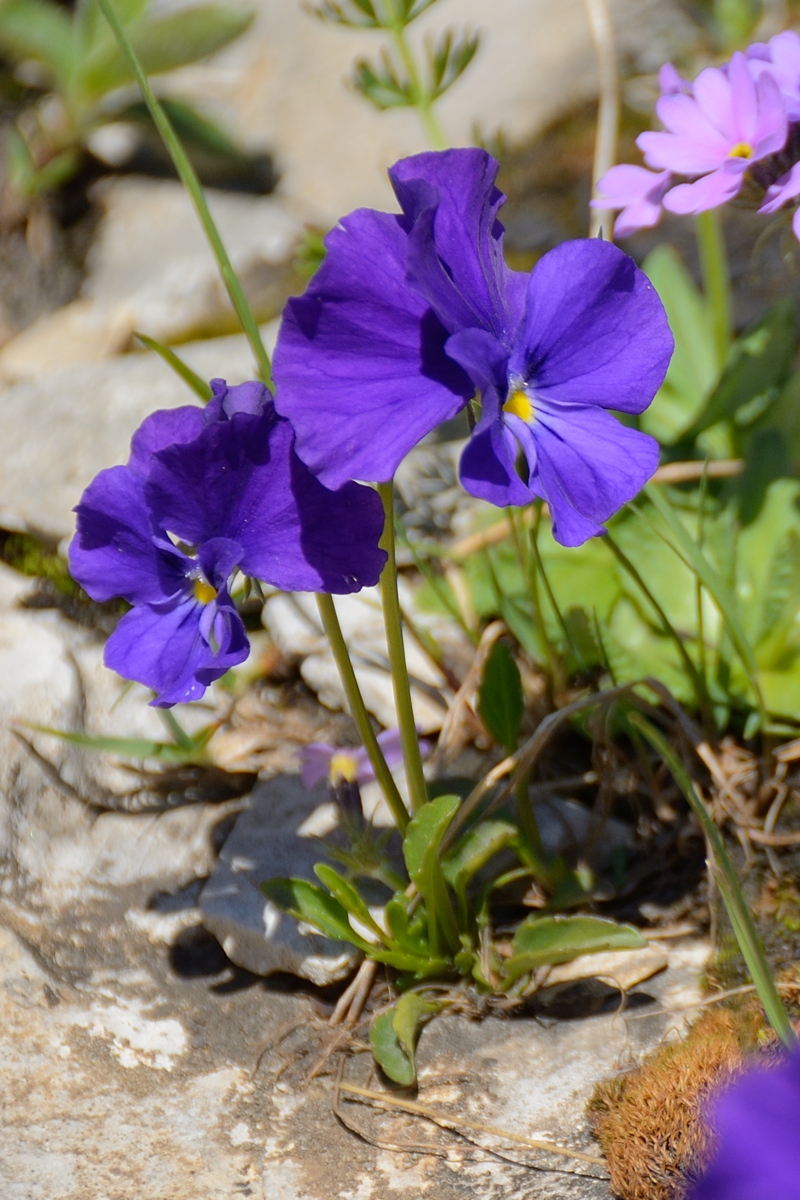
(474, 849)
(307, 902)
(501, 703)
(545, 941)
(420, 848)
(388, 1052)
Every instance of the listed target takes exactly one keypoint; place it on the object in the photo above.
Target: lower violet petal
(588, 466)
(488, 461)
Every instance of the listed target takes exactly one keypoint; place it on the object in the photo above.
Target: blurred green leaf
(695, 366)
(164, 43)
(348, 896)
(501, 703)
(307, 902)
(448, 59)
(382, 84)
(421, 851)
(199, 386)
(388, 1053)
(41, 30)
(136, 747)
(545, 941)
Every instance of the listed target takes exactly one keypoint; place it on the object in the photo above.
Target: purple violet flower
(321, 761)
(207, 492)
(411, 315)
(638, 192)
(757, 1121)
(730, 122)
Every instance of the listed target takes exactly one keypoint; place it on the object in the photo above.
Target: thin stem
(725, 874)
(422, 100)
(358, 709)
(716, 278)
(172, 723)
(190, 181)
(397, 657)
(601, 220)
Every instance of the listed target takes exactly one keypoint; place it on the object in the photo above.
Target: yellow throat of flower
(518, 405)
(204, 592)
(343, 767)
(741, 150)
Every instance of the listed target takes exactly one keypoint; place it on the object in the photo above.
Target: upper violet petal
(360, 366)
(166, 427)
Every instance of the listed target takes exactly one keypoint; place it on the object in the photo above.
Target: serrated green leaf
(307, 902)
(501, 703)
(546, 941)
(388, 1053)
(348, 896)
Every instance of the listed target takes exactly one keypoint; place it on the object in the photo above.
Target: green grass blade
(730, 888)
(198, 385)
(190, 181)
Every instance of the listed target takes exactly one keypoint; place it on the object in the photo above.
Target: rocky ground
(140, 1058)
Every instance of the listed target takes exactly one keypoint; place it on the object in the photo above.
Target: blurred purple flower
(779, 58)
(638, 192)
(728, 123)
(321, 761)
(410, 315)
(757, 1122)
(207, 492)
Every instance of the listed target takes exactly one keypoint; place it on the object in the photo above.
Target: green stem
(422, 100)
(725, 874)
(190, 181)
(716, 278)
(358, 709)
(397, 657)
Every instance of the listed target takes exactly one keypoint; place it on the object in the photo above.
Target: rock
(68, 424)
(151, 270)
(621, 968)
(282, 88)
(294, 624)
(273, 838)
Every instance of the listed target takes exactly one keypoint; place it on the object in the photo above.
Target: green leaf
(40, 30)
(199, 386)
(164, 43)
(545, 941)
(449, 58)
(388, 1052)
(420, 849)
(411, 935)
(410, 1013)
(133, 747)
(307, 902)
(694, 369)
(382, 84)
(474, 849)
(501, 703)
(347, 895)
(758, 367)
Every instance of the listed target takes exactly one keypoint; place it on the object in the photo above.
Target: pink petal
(715, 99)
(772, 127)
(708, 192)
(743, 101)
(683, 155)
(785, 189)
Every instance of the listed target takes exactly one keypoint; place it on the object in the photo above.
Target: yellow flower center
(343, 767)
(741, 150)
(204, 592)
(518, 405)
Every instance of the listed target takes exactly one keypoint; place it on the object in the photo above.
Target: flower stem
(601, 221)
(192, 184)
(422, 100)
(725, 874)
(716, 278)
(397, 657)
(358, 710)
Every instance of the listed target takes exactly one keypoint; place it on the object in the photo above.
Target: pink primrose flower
(638, 192)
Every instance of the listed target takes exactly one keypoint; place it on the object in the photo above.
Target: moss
(649, 1122)
(25, 554)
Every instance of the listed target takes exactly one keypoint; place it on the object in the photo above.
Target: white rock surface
(150, 269)
(283, 87)
(71, 422)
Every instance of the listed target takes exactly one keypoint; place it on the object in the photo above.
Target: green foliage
(82, 65)
(545, 941)
(500, 699)
(730, 23)
(394, 1034)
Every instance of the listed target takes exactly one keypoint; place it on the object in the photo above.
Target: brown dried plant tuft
(649, 1122)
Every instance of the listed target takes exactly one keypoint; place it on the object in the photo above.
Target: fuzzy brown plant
(649, 1121)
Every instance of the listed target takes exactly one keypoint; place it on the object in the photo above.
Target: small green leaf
(388, 1053)
(40, 30)
(425, 832)
(199, 386)
(307, 902)
(382, 84)
(474, 849)
(348, 897)
(132, 747)
(420, 848)
(411, 935)
(501, 703)
(545, 941)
